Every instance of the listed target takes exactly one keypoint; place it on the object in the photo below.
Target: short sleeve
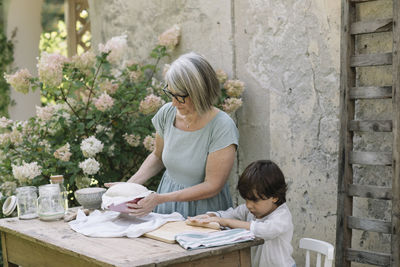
(160, 119)
(224, 133)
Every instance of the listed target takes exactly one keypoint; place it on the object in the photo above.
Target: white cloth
(195, 240)
(276, 229)
(114, 224)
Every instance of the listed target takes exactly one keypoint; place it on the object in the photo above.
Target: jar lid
(57, 178)
(9, 205)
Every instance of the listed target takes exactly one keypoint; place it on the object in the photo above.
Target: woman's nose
(175, 102)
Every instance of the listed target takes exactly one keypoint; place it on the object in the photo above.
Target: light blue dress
(185, 156)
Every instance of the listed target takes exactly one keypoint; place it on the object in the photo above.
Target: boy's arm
(238, 213)
(226, 219)
(233, 223)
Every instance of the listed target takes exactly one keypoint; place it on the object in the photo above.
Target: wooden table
(37, 243)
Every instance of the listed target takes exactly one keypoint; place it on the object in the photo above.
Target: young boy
(265, 214)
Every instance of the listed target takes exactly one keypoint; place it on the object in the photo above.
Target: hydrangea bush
(96, 127)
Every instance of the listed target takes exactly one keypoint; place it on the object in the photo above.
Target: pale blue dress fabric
(185, 155)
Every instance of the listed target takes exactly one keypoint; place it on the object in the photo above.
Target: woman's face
(184, 109)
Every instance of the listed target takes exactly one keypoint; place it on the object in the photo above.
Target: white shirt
(276, 229)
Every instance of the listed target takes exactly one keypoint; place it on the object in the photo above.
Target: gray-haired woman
(195, 141)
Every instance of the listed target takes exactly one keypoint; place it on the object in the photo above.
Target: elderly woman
(195, 141)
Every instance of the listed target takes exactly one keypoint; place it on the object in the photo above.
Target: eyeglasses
(179, 98)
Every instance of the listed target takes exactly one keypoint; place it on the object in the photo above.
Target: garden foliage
(96, 126)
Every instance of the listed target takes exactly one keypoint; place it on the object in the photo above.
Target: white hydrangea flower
(90, 166)
(111, 150)
(4, 138)
(4, 122)
(8, 188)
(91, 146)
(15, 136)
(46, 145)
(45, 113)
(26, 171)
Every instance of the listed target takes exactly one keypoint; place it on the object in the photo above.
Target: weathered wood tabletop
(38, 243)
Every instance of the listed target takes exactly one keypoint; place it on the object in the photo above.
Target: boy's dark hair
(263, 179)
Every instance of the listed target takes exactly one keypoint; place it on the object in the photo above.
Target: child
(265, 214)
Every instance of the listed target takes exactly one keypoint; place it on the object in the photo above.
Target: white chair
(321, 247)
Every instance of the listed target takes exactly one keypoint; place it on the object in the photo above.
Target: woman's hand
(144, 206)
(112, 184)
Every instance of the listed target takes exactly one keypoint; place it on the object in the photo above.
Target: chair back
(321, 248)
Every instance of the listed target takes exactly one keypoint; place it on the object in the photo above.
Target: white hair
(192, 74)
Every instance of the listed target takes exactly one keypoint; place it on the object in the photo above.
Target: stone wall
(287, 53)
(24, 17)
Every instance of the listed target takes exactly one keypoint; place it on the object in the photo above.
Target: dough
(125, 190)
(212, 225)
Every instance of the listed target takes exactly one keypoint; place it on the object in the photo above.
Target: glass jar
(27, 202)
(50, 203)
(59, 179)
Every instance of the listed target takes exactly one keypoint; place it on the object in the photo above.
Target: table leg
(245, 257)
(6, 263)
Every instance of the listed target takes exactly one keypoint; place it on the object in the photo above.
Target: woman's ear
(275, 199)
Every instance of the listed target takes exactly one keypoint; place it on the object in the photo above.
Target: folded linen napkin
(115, 224)
(196, 240)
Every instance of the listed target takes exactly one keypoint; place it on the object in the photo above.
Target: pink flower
(149, 142)
(63, 153)
(221, 76)
(232, 104)
(234, 88)
(150, 90)
(150, 104)
(132, 139)
(50, 69)
(135, 76)
(170, 38)
(84, 62)
(104, 102)
(116, 46)
(20, 80)
(109, 87)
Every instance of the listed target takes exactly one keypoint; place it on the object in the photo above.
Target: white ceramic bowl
(90, 198)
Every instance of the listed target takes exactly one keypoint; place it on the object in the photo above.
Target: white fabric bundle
(123, 192)
(113, 224)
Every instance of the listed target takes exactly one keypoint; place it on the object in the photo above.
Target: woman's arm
(218, 168)
(151, 165)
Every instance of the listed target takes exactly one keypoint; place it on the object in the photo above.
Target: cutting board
(167, 232)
